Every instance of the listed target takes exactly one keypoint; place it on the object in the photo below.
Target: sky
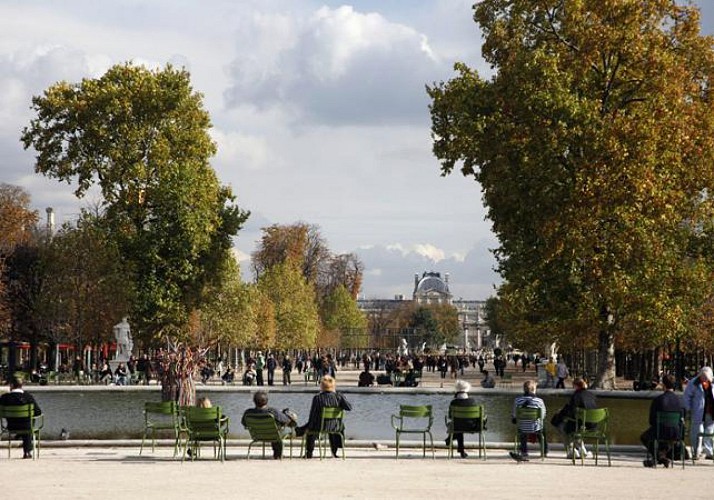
(319, 112)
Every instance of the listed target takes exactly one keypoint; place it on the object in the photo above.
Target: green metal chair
(331, 419)
(530, 415)
(466, 413)
(668, 422)
(264, 429)
(161, 417)
(414, 420)
(592, 426)
(24, 412)
(205, 424)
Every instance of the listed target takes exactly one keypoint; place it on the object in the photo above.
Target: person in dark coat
(328, 398)
(260, 399)
(17, 397)
(564, 420)
(667, 401)
(462, 398)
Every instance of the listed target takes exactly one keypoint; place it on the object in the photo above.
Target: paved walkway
(108, 473)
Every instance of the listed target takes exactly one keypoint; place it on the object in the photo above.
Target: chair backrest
(203, 419)
(530, 414)
(262, 427)
(331, 415)
(466, 412)
(593, 421)
(17, 411)
(408, 411)
(162, 408)
(670, 425)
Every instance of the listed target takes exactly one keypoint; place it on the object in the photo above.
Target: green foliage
(593, 144)
(295, 310)
(142, 137)
(435, 324)
(340, 313)
(86, 287)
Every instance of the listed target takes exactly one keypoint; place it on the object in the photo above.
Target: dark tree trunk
(605, 378)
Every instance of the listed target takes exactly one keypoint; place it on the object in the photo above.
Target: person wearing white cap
(699, 401)
(461, 398)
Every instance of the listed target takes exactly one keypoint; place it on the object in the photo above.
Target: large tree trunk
(605, 377)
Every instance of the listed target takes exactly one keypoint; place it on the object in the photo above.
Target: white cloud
(337, 66)
(236, 149)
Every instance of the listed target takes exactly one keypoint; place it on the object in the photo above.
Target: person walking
(562, 373)
(699, 402)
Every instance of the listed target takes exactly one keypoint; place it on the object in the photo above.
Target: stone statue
(403, 349)
(122, 333)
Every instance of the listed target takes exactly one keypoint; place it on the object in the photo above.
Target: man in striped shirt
(528, 428)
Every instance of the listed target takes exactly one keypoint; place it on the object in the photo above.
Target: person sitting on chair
(488, 381)
(462, 398)
(366, 379)
(18, 397)
(668, 401)
(564, 420)
(260, 399)
(328, 398)
(527, 428)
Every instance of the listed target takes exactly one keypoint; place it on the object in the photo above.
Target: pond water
(118, 414)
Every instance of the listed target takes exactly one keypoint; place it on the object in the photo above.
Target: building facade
(430, 288)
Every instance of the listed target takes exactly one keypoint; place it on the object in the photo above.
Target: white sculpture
(122, 334)
(403, 349)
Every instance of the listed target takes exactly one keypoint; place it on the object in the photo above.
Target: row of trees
(159, 245)
(593, 143)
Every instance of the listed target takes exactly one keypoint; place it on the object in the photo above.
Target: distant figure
(260, 399)
(527, 428)
(287, 368)
(699, 401)
(121, 375)
(562, 373)
(18, 397)
(271, 364)
(366, 379)
(250, 375)
(551, 369)
(259, 365)
(488, 381)
(667, 401)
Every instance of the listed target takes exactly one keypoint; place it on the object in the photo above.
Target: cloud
(337, 66)
(236, 149)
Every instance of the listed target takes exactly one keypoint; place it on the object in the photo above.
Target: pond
(118, 414)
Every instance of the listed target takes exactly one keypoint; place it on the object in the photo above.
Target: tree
(142, 137)
(86, 290)
(341, 314)
(238, 313)
(345, 270)
(17, 219)
(296, 317)
(300, 243)
(593, 145)
(17, 226)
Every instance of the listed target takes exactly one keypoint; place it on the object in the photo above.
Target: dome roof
(432, 282)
